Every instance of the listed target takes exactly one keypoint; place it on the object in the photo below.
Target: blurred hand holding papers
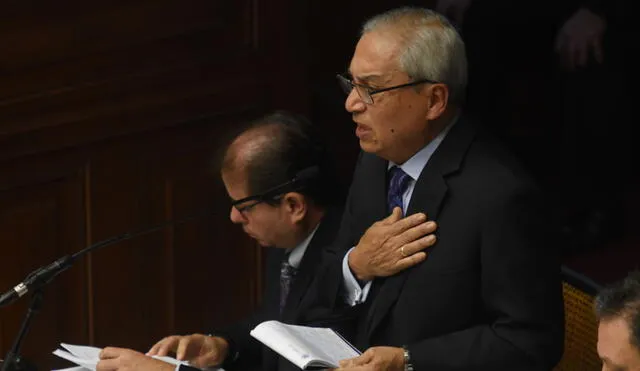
(88, 357)
(309, 348)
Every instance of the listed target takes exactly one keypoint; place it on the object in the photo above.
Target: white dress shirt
(297, 253)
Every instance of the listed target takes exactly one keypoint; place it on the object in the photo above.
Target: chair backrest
(581, 326)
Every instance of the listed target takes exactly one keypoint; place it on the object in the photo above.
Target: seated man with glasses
(487, 295)
(279, 177)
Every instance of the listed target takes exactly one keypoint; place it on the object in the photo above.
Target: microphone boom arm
(37, 279)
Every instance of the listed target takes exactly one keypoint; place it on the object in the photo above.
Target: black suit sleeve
(330, 309)
(520, 290)
(245, 352)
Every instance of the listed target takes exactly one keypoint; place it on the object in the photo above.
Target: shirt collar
(413, 166)
(295, 254)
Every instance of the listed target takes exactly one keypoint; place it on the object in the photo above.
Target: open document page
(307, 347)
(88, 357)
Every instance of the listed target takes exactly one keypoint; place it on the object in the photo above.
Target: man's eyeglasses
(298, 182)
(366, 92)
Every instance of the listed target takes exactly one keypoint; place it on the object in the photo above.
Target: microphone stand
(37, 280)
(13, 361)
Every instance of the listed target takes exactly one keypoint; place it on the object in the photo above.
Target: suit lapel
(302, 281)
(374, 174)
(428, 195)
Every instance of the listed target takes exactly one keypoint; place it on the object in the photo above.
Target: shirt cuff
(354, 293)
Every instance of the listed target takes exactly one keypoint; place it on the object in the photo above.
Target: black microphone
(36, 279)
(44, 275)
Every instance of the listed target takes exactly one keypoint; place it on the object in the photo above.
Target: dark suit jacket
(251, 354)
(488, 297)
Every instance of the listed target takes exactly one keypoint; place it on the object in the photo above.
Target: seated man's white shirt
(297, 253)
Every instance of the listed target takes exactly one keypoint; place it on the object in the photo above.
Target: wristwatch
(408, 366)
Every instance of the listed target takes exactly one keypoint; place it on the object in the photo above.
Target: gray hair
(433, 48)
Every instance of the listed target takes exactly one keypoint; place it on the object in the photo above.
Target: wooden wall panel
(171, 276)
(133, 82)
(110, 112)
(39, 223)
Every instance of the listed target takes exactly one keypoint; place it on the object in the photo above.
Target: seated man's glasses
(366, 92)
(297, 183)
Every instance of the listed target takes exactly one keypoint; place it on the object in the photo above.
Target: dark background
(110, 112)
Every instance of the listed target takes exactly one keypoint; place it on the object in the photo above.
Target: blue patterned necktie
(287, 274)
(398, 183)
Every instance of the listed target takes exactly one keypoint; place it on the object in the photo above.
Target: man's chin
(257, 240)
(261, 243)
(369, 146)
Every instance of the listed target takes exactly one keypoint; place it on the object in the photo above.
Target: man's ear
(295, 205)
(438, 100)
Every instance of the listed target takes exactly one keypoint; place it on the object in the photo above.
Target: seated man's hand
(112, 359)
(581, 36)
(200, 350)
(392, 245)
(376, 359)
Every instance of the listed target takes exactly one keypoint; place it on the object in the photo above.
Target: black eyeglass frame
(294, 185)
(344, 81)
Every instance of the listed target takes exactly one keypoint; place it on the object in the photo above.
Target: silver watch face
(407, 360)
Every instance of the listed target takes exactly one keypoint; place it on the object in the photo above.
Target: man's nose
(354, 103)
(236, 216)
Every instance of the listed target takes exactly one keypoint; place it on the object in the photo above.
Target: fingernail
(431, 224)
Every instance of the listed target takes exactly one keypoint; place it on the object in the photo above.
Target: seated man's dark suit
(252, 355)
(488, 296)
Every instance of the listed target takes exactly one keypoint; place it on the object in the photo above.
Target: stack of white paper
(87, 357)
